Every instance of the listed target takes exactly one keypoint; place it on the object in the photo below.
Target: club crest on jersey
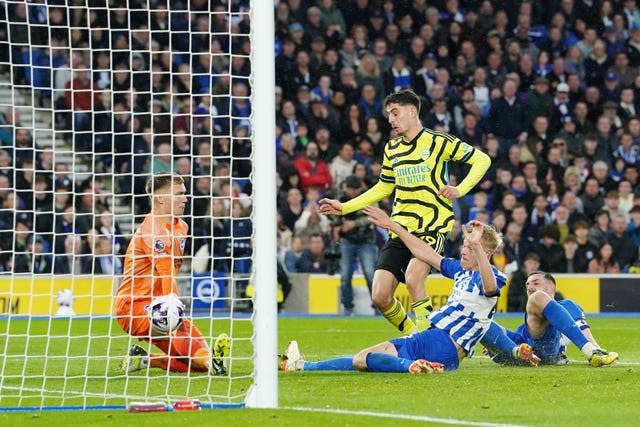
(424, 154)
(182, 242)
(159, 246)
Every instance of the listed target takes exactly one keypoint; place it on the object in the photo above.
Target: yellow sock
(422, 309)
(398, 317)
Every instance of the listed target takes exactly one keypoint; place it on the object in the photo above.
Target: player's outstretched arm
(473, 236)
(373, 195)
(419, 248)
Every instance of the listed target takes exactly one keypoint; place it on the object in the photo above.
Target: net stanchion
(96, 99)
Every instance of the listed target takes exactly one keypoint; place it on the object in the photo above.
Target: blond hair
(491, 238)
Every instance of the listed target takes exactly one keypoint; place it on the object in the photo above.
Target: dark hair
(547, 276)
(403, 97)
(551, 231)
(158, 182)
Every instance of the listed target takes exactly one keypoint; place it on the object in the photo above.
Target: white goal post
(96, 96)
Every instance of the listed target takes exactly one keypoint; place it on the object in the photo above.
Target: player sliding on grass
(544, 324)
(153, 258)
(455, 328)
(414, 169)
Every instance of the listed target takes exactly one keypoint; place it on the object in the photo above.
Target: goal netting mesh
(96, 96)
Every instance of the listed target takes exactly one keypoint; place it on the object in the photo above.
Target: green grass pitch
(479, 393)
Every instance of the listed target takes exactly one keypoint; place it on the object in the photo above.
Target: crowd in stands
(550, 90)
(132, 90)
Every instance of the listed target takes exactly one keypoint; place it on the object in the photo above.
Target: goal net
(96, 96)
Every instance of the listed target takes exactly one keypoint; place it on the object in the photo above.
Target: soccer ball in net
(166, 315)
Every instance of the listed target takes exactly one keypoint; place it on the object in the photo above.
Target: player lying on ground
(455, 328)
(545, 323)
(153, 258)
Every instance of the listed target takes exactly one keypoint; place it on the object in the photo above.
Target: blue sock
(497, 338)
(559, 317)
(383, 362)
(339, 364)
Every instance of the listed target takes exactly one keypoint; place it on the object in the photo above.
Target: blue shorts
(433, 345)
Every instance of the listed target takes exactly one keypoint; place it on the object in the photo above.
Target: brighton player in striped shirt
(455, 328)
(153, 258)
(546, 323)
(415, 170)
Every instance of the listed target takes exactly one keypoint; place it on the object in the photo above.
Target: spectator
(626, 73)
(398, 77)
(310, 221)
(312, 259)
(586, 251)
(80, 96)
(342, 165)
(540, 100)
(549, 249)
(327, 149)
(600, 229)
(592, 200)
(612, 205)
(539, 216)
(293, 207)
(627, 151)
(369, 74)
(357, 242)
(625, 197)
(574, 205)
(507, 118)
(439, 117)
(163, 160)
(632, 45)
(560, 218)
(625, 251)
(604, 262)
(570, 247)
(34, 260)
(374, 133)
(104, 261)
(517, 294)
(292, 255)
(241, 231)
(425, 76)
(67, 260)
(323, 90)
(312, 170)
(515, 247)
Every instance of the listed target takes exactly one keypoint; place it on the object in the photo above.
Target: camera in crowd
(332, 256)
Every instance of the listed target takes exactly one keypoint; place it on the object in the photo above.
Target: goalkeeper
(151, 262)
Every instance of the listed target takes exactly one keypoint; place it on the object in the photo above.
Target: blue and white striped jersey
(467, 314)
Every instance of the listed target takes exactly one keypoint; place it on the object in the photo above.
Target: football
(166, 314)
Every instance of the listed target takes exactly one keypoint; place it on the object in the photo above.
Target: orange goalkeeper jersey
(153, 257)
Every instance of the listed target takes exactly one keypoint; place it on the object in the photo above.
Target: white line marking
(578, 361)
(425, 418)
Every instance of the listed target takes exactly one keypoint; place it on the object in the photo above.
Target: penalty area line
(425, 418)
